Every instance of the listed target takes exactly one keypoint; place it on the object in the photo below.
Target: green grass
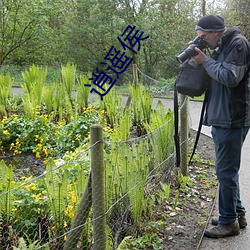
(53, 73)
(161, 88)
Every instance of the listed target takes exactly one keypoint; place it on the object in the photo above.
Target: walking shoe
(221, 231)
(241, 219)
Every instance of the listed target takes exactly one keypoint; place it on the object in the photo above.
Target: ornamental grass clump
(141, 106)
(126, 172)
(160, 131)
(34, 80)
(68, 75)
(5, 91)
(82, 93)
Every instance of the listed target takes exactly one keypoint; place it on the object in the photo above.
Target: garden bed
(178, 222)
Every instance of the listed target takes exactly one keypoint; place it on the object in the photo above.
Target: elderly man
(228, 112)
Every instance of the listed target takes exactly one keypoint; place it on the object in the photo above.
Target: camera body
(190, 51)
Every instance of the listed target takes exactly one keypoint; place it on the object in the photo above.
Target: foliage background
(54, 32)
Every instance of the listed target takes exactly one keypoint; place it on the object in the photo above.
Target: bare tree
(20, 22)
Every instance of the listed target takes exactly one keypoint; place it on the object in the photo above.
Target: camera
(190, 51)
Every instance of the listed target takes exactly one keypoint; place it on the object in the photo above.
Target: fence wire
(48, 203)
(161, 87)
(43, 210)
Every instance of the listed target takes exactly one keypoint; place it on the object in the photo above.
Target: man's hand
(200, 58)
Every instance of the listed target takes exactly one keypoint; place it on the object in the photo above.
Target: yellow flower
(16, 152)
(38, 156)
(69, 211)
(26, 178)
(73, 199)
(45, 151)
(14, 209)
(6, 132)
(103, 112)
(37, 196)
(31, 187)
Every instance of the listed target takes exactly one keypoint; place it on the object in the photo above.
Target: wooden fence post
(98, 194)
(135, 74)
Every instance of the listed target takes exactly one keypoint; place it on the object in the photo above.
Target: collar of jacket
(231, 32)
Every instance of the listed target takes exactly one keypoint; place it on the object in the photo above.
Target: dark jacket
(228, 103)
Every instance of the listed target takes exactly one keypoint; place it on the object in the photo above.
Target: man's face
(211, 38)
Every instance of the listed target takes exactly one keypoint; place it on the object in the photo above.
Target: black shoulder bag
(191, 81)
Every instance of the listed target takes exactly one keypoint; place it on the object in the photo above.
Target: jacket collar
(231, 32)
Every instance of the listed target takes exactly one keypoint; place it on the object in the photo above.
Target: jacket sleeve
(234, 66)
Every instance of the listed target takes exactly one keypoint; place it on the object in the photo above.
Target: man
(228, 112)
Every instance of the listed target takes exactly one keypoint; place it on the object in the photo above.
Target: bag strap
(199, 127)
(176, 126)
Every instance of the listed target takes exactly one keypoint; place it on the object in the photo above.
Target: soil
(25, 164)
(186, 223)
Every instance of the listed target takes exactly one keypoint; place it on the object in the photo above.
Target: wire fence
(42, 208)
(162, 86)
(55, 210)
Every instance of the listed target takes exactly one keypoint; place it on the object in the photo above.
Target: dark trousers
(228, 145)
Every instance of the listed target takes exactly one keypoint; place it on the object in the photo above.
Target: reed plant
(122, 130)
(146, 102)
(141, 106)
(161, 132)
(5, 90)
(56, 184)
(62, 106)
(136, 178)
(7, 232)
(135, 93)
(34, 80)
(57, 192)
(64, 182)
(82, 93)
(6, 184)
(112, 105)
(68, 74)
(48, 98)
(126, 172)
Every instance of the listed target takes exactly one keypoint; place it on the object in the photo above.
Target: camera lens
(187, 53)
